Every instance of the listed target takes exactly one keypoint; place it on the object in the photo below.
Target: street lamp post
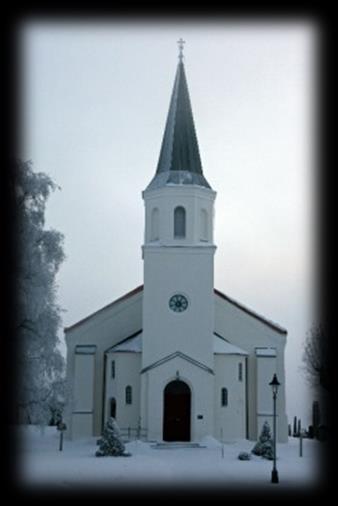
(274, 385)
(61, 427)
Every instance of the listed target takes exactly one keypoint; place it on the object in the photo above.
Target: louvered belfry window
(179, 222)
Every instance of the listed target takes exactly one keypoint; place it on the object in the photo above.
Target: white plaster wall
(127, 372)
(201, 384)
(230, 420)
(183, 266)
(188, 271)
(82, 425)
(110, 326)
(103, 329)
(193, 199)
(247, 332)
(84, 382)
(144, 379)
(83, 406)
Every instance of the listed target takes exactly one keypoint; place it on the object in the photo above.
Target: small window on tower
(179, 222)
(155, 225)
(113, 369)
(224, 397)
(128, 395)
(204, 225)
(240, 371)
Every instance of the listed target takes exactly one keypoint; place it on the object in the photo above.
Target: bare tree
(316, 357)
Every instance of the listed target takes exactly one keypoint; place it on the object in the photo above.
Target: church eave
(177, 178)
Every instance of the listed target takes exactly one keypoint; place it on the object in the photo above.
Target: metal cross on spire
(180, 43)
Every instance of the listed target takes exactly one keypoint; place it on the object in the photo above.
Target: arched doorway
(177, 408)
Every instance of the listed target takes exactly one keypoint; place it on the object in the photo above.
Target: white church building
(176, 359)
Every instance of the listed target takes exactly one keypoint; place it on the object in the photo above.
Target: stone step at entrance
(176, 445)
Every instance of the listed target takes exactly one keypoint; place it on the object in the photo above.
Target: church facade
(176, 359)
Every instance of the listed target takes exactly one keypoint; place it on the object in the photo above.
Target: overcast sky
(95, 100)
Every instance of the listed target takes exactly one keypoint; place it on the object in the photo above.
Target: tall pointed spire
(179, 161)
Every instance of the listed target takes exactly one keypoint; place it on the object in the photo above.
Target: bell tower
(178, 250)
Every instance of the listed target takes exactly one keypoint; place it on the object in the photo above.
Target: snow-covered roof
(221, 346)
(133, 344)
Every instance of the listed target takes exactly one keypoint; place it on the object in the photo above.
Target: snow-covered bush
(244, 456)
(111, 444)
(264, 445)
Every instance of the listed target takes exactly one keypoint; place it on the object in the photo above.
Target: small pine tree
(264, 445)
(244, 456)
(111, 444)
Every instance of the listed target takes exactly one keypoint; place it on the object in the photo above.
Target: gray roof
(179, 161)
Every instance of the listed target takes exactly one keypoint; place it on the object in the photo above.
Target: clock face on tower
(178, 303)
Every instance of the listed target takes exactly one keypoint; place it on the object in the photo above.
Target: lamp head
(274, 384)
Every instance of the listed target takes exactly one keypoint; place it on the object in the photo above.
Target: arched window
(113, 407)
(204, 225)
(128, 395)
(240, 371)
(155, 225)
(224, 397)
(179, 222)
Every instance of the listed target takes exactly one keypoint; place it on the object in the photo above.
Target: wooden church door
(177, 408)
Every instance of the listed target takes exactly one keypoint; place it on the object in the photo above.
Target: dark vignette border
(10, 85)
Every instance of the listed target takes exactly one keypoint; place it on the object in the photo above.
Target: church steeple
(179, 161)
(178, 249)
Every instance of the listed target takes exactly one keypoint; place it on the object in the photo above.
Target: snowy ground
(41, 463)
